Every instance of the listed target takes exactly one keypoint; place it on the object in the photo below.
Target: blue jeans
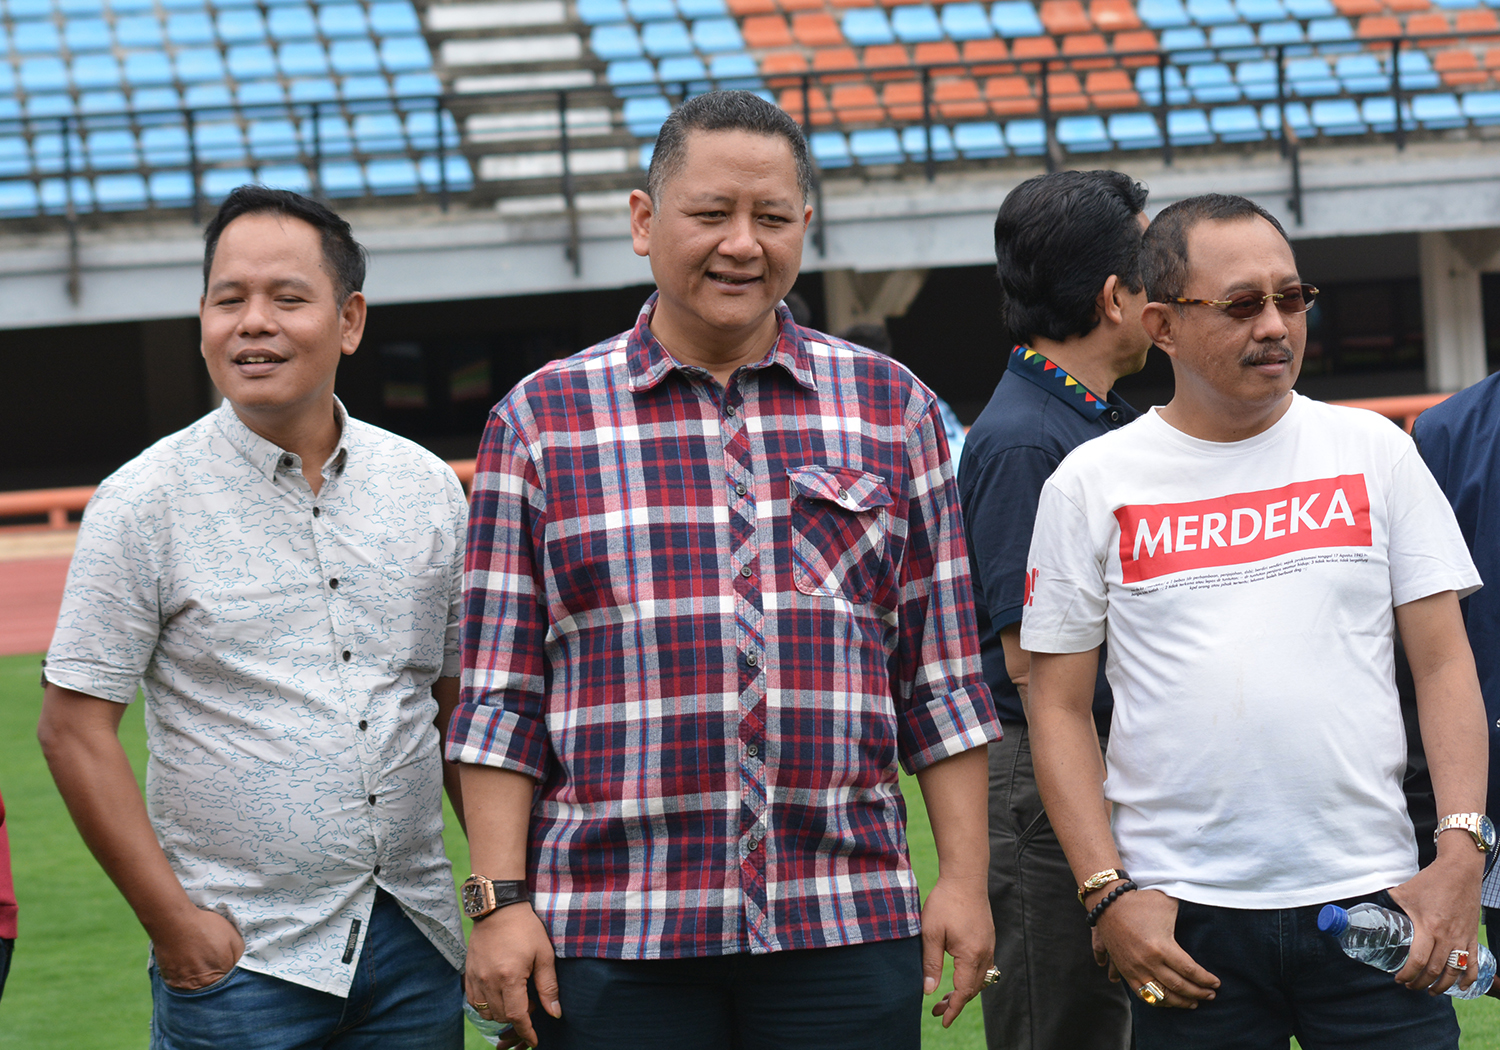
(853, 997)
(7, 948)
(405, 996)
(1281, 977)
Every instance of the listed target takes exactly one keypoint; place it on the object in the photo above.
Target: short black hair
(724, 111)
(1164, 257)
(344, 256)
(1058, 238)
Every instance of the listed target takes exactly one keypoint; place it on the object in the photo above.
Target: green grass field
(79, 975)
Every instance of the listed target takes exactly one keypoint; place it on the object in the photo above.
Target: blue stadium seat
(49, 105)
(392, 175)
(644, 114)
(1457, 5)
(876, 146)
(293, 23)
(394, 19)
(147, 68)
(303, 59)
(1380, 113)
(735, 72)
(648, 10)
(292, 177)
(1026, 137)
(96, 70)
(593, 12)
(916, 24)
(422, 129)
(120, 192)
(19, 9)
(1256, 79)
(615, 41)
(165, 145)
(15, 156)
(915, 140)
(1310, 76)
(205, 96)
(1148, 86)
(1236, 43)
(55, 195)
(353, 56)
(404, 53)
(1362, 73)
(1019, 18)
(864, 26)
(1337, 116)
(1335, 34)
(979, 139)
(623, 75)
(1188, 127)
(342, 20)
(379, 133)
(458, 172)
(1273, 33)
(1212, 82)
(47, 152)
(259, 92)
(966, 21)
(1296, 115)
(170, 188)
(1186, 44)
(1162, 14)
(199, 64)
(44, 74)
(241, 25)
(702, 8)
(666, 38)
(313, 89)
(81, 7)
(711, 35)
(103, 102)
(1261, 10)
(219, 182)
(273, 138)
(112, 150)
(356, 88)
(87, 34)
(35, 38)
(248, 61)
(18, 198)
(417, 85)
(190, 27)
(1438, 111)
(1212, 12)
(1415, 70)
(1482, 107)
(1311, 8)
(330, 134)
(685, 71)
(144, 100)
(219, 140)
(1082, 134)
(1235, 124)
(138, 31)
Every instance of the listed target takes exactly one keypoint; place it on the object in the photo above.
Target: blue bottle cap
(1333, 920)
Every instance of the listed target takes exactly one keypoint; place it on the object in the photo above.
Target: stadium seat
(1162, 14)
(192, 27)
(208, 96)
(1234, 43)
(876, 146)
(1415, 71)
(1482, 107)
(273, 138)
(342, 20)
(18, 198)
(702, 8)
(1134, 131)
(1362, 73)
(394, 19)
(96, 70)
(1082, 134)
(829, 149)
(170, 188)
(44, 74)
(138, 31)
(1331, 31)
(102, 102)
(240, 25)
(1310, 8)
(15, 156)
(417, 85)
(353, 56)
(958, 99)
(666, 38)
(248, 61)
(1111, 89)
(979, 140)
(259, 92)
(1026, 137)
(459, 175)
(292, 177)
(644, 115)
(400, 54)
(1310, 76)
(120, 192)
(735, 72)
(1015, 18)
(303, 59)
(1186, 44)
(1114, 16)
(764, 31)
(1294, 113)
(683, 69)
(915, 24)
(219, 140)
(164, 146)
(1281, 33)
(593, 12)
(711, 35)
(1235, 124)
(200, 64)
(1212, 12)
(55, 195)
(1477, 20)
(648, 10)
(112, 149)
(219, 182)
(625, 74)
(1437, 111)
(1337, 116)
(342, 179)
(1010, 96)
(1459, 67)
(295, 22)
(1188, 127)
(1212, 82)
(381, 132)
(1062, 17)
(1256, 79)
(313, 89)
(865, 26)
(917, 140)
(1261, 10)
(49, 105)
(1148, 82)
(392, 175)
(856, 104)
(966, 21)
(86, 34)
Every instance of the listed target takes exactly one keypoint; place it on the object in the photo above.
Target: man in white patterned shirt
(283, 583)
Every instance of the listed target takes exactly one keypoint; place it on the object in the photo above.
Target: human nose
(739, 240)
(257, 318)
(1270, 323)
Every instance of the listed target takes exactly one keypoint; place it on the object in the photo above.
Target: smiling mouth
(724, 278)
(258, 358)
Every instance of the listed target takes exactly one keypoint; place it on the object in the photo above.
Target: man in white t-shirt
(1249, 554)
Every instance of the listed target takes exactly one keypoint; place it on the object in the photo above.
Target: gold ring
(990, 977)
(480, 1006)
(1458, 959)
(1151, 993)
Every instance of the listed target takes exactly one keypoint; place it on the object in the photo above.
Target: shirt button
(363, 725)
(843, 493)
(370, 799)
(745, 570)
(1114, 415)
(377, 870)
(752, 659)
(729, 410)
(317, 511)
(752, 750)
(286, 461)
(334, 583)
(740, 490)
(754, 845)
(347, 654)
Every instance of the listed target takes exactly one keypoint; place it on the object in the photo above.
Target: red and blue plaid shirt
(710, 621)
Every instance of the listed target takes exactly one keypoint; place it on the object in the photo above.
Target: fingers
(932, 959)
(544, 977)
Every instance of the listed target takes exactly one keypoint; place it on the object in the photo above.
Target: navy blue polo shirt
(1460, 440)
(1037, 415)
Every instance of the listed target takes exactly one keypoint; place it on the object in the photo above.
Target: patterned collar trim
(266, 456)
(649, 362)
(1028, 364)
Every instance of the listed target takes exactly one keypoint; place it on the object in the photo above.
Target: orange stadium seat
(816, 29)
(802, 5)
(903, 98)
(1033, 47)
(856, 104)
(1428, 24)
(979, 53)
(836, 58)
(783, 62)
(898, 3)
(1354, 8)
(1459, 66)
(1010, 96)
(1408, 6)
(816, 107)
(1111, 89)
(958, 99)
(887, 57)
(752, 7)
(1081, 44)
(937, 52)
(1114, 15)
(1476, 20)
(1064, 16)
(766, 31)
(1065, 93)
(1492, 58)
(1136, 40)
(1373, 26)
(853, 3)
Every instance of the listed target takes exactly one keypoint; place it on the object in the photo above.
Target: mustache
(1268, 354)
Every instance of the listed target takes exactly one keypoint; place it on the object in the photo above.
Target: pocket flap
(851, 489)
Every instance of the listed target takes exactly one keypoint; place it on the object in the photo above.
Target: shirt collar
(269, 458)
(1036, 368)
(648, 362)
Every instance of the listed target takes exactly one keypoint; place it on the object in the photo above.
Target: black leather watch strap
(507, 892)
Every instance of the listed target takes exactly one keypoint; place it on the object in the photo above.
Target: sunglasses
(1296, 300)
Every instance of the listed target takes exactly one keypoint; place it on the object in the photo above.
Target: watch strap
(1469, 822)
(483, 897)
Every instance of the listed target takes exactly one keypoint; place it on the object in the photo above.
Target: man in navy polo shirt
(1460, 440)
(1071, 296)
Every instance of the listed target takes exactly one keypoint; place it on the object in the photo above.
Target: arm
(511, 945)
(79, 735)
(1443, 898)
(1017, 662)
(1137, 930)
(956, 915)
(445, 692)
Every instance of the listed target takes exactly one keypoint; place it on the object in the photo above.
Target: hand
(1137, 933)
(956, 919)
(505, 949)
(1442, 901)
(199, 949)
(1101, 954)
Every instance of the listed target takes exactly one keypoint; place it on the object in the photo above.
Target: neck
(1086, 360)
(1217, 419)
(311, 433)
(691, 342)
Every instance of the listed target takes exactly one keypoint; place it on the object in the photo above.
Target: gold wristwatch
(482, 896)
(1479, 827)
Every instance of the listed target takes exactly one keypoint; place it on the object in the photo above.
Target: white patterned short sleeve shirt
(286, 645)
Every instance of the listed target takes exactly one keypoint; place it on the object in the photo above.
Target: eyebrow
(295, 284)
(719, 198)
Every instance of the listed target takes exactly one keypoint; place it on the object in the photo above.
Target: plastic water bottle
(1382, 938)
(490, 1031)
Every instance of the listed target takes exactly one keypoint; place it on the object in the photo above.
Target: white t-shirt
(1247, 592)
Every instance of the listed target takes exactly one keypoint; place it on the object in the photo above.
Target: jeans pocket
(194, 993)
(838, 528)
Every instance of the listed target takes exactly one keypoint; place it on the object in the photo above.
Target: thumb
(932, 958)
(544, 976)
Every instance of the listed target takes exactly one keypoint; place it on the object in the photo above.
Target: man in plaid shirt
(716, 591)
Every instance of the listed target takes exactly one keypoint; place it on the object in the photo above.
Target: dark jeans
(847, 998)
(405, 996)
(7, 948)
(1051, 994)
(1281, 977)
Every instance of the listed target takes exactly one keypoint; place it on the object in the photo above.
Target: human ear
(1108, 304)
(641, 212)
(1160, 323)
(352, 322)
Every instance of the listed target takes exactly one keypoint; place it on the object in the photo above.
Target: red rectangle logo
(1164, 538)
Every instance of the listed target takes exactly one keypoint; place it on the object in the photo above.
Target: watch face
(473, 897)
(1487, 832)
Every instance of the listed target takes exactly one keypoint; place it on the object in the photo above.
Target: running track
(33, 566)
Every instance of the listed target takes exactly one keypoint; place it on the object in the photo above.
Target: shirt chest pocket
(838, 530)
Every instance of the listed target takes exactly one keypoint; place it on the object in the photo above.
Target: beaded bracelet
(1109, 898)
